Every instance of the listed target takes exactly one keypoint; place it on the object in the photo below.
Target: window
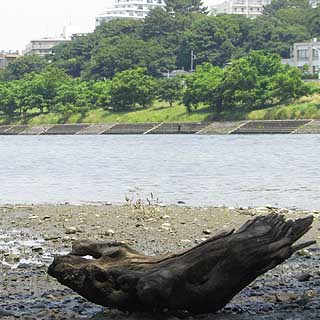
(303, 54)
(315, 54)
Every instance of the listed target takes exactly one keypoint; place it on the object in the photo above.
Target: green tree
(24, 65)
(276, 5)
(73, 56)
(204, 86)
(259, 80)
(185, 6)
(124, 52)
(8, 97)
(170, 89)
(131, 89)
(208, 40)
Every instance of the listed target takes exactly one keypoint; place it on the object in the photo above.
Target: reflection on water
(280, 170)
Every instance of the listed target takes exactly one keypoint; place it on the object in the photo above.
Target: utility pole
(193, 57)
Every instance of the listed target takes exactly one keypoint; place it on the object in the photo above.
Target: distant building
(314, 3)
(248, 8)
(305, 55)
(44, 46)
(7, 57)
(132, 9)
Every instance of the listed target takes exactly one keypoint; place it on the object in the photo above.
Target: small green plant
(142, 209)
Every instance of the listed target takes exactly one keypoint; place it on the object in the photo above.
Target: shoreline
(31, 234)
(307, 126)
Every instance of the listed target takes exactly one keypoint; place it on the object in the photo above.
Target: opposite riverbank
(205, 128)
(31, 235)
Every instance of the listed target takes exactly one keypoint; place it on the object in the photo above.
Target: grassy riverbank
(304, 108)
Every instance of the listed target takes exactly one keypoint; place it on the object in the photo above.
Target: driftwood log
(200, 280)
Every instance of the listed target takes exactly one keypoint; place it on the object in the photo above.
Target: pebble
(304, 277)
(37, 249)
(109, 232)
(71, 230)
(304, 253)
(207, 232)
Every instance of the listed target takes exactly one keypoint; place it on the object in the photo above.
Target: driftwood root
(200, 280)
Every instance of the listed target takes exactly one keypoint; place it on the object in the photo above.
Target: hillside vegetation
(116, 72)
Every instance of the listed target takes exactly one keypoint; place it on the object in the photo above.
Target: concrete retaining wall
(228, 127)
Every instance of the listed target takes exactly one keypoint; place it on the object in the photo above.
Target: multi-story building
(7, 57)
(44, 46)
(305, 55)
(133, 9)
(248, 8)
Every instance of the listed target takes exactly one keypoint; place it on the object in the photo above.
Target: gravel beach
(30, 235)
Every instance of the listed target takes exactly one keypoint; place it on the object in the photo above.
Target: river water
(231, 170)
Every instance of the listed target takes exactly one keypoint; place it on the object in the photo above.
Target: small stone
(37, 249)
(207, 232)
(12, 257)
(138, 225)
(71, 230)
(185, 241)
(109, 232)
(304, 253)
(311, 294)
(286, 296)
(33, 217)
(48, 238)
(304, 277)
(24, 265)
(181, 202)
(166, 225)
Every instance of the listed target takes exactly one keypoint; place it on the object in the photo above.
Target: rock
(71, 230)
(37, 249)
(12, 257)
(32, 217)
(24, 265)
(207, 232)
(4, 313)
(311, 294)
(185, 241)
(286, 296)
(166, 225)
(138, 225)
(48, 238)
(109, 232)
(181, 202)
(304, 253)
(304, 277)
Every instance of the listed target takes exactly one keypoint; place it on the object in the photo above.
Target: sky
(24, 20)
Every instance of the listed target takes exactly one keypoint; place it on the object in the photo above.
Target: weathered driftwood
(200, 280)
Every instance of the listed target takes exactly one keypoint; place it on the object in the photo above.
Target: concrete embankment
(209, 128)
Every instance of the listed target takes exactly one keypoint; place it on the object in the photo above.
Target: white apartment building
(133, 9)
(248, 8)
